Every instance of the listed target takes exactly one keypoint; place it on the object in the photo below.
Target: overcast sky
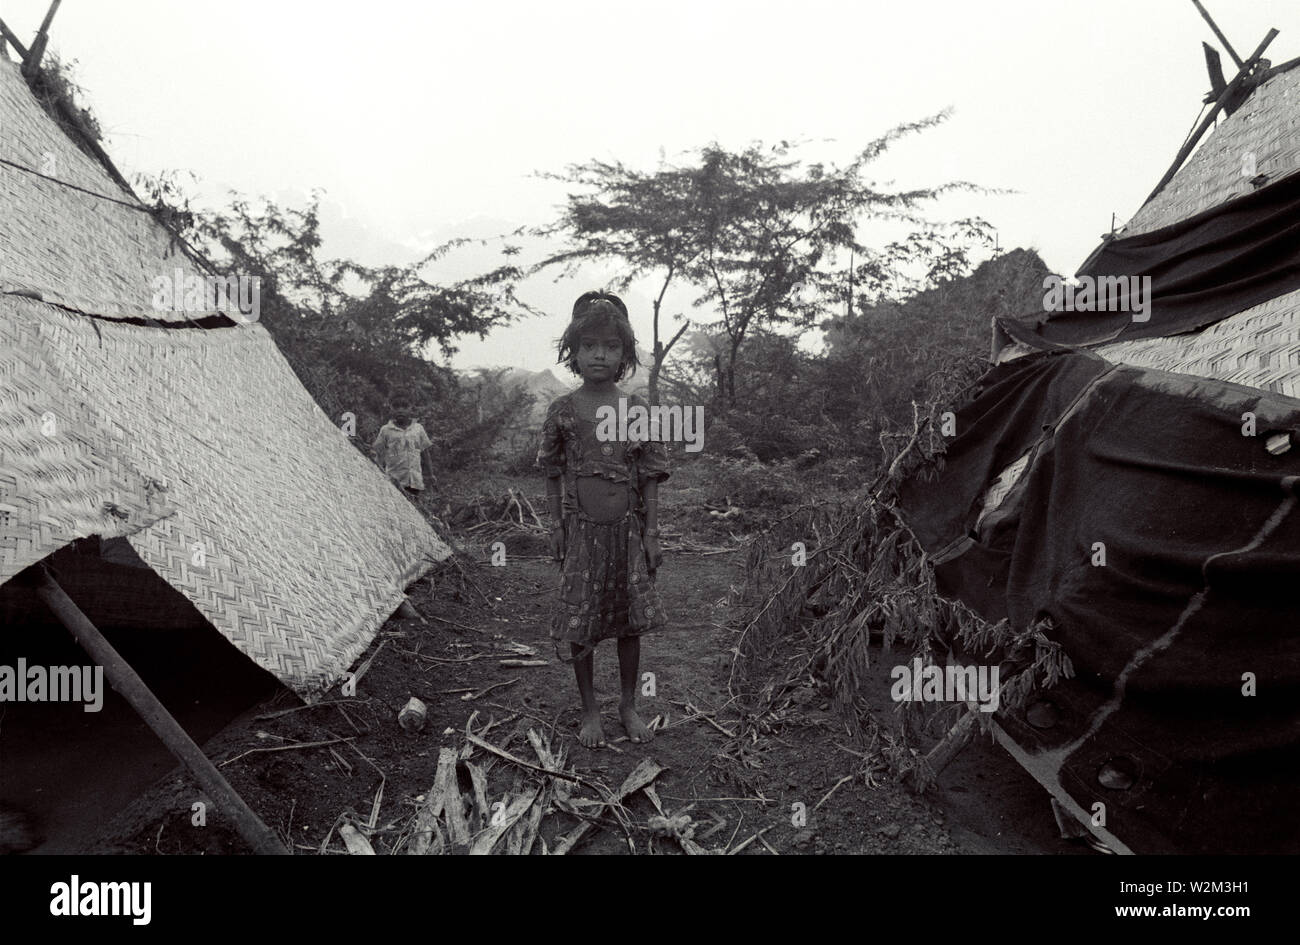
(425, 120)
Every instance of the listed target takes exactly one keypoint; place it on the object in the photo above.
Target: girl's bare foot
(632, 724)
(592, 735)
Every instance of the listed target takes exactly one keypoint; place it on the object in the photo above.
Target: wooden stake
(126, 681)
(958, 737)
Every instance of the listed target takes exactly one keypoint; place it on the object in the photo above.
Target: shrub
(750, 484)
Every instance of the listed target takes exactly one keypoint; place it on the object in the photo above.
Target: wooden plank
(1048, 776)
(1214, 66)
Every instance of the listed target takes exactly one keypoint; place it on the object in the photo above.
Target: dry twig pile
(865, 581)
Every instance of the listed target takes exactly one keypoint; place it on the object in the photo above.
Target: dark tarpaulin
(1203, 269)
(1200, 584)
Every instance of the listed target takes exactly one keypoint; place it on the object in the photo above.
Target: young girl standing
(604, 501)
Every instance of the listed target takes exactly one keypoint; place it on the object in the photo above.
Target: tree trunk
(731, 372)
(653, 392)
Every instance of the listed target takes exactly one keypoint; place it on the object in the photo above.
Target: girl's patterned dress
(605, 587)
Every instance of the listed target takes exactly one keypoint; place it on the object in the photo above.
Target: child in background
(603, 498)
(399, 450)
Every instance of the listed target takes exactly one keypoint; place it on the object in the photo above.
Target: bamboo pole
(1228, 93)
(953, 743)
(126, 681)
(33, 61)
(1223, 39)
(49, 17)
(1048, 774)
(7, 33)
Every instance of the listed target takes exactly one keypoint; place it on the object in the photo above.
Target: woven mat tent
(176, 440)
(1133, 481)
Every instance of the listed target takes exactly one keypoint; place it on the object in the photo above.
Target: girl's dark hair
(595, 310)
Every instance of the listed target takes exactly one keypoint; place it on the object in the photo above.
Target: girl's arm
(650, 540)
(555, 504)
(650, 498)
(551, 460)
(555, 500)
(652, 468)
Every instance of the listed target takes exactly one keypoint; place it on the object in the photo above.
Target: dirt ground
(802, 785)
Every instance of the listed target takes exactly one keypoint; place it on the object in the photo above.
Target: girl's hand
(653, 555)
(557, 544)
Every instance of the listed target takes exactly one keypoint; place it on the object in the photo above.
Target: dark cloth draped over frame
(1164, 545)
(1203, 269)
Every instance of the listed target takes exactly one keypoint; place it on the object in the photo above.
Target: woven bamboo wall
(1267, 124)
(1259, 347)
(75, 249)
(60, 479)
(198, 446)
(306, 547)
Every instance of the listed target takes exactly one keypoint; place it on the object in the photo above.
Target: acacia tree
(381, 307)
(356, 335)
(646, 222)
(757, 235)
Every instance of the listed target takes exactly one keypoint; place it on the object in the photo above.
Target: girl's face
(599, 355)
